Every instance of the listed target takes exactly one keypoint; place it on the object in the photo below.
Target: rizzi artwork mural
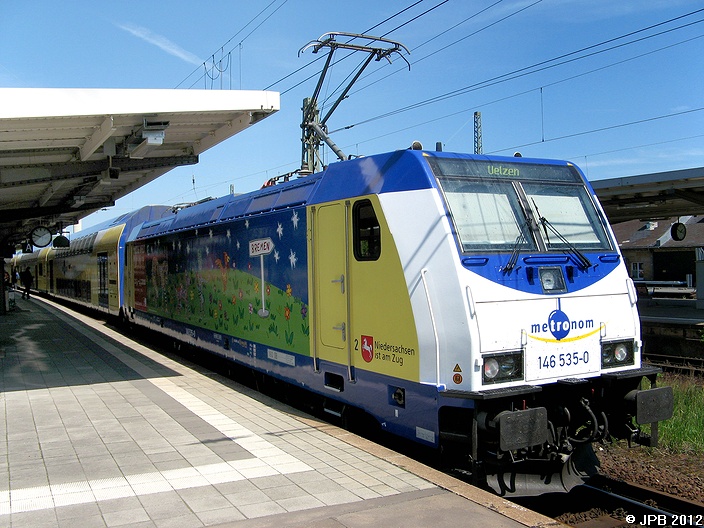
(246, 279)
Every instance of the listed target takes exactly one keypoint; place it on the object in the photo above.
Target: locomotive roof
(401, 170)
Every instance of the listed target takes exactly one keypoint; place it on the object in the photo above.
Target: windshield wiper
(582, 261)
(513, 259)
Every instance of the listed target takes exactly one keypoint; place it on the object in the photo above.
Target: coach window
(367, 233)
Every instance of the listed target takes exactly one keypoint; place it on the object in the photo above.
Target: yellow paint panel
(383, 328)
(380, 333)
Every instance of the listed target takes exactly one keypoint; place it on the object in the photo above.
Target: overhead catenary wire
(398, 13)
(404, 24)
(524, 92)
(474, 15)
(433, 8)
(366, 31)
(534, 89)
(548, 63)
(427, 11)
(372, 28)
(221, 49)
(606, 128)
(536, 67)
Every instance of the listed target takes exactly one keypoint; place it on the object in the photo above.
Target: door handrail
(423, 274)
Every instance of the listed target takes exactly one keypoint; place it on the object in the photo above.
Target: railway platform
(98, 430)
(670, 311)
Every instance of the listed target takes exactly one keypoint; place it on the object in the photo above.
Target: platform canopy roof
(66, 153)
(652, 196)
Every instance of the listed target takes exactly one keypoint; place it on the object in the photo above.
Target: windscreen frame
(450, 173)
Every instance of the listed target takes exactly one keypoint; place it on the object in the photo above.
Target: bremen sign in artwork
(258, 248)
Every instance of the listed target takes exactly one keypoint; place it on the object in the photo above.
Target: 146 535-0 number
(565, 359)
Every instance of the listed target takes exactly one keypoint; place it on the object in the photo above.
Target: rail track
(671, 363)
(608, 503)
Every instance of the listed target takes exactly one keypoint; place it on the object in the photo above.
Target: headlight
(551, 280)
(617, 354)
(491, 368)
(500, 368)
(620, 353)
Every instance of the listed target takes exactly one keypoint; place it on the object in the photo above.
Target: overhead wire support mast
(478, 133)
(313, 128)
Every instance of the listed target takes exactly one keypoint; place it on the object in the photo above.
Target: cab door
(331, 283)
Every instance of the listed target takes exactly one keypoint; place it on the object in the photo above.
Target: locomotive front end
(557, 352)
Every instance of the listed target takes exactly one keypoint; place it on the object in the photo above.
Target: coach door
(331, 283)
(103, 280)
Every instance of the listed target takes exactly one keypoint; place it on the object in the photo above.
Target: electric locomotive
(475, 304)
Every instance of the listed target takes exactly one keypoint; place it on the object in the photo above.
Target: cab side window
(367, 233)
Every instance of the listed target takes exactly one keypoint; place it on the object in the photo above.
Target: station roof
(652, 196)
(66, 153)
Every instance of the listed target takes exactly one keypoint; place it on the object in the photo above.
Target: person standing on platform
(27, 280)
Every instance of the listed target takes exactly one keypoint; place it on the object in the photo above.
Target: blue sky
(583, 80)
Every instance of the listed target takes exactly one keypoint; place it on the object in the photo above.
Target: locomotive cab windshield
(519, 207)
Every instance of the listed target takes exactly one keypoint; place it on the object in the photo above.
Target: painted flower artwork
(209, 279)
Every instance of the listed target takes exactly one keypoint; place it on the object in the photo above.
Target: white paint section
(436, 281)
(72, 493)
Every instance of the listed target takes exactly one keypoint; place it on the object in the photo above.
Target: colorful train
(474, 304)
